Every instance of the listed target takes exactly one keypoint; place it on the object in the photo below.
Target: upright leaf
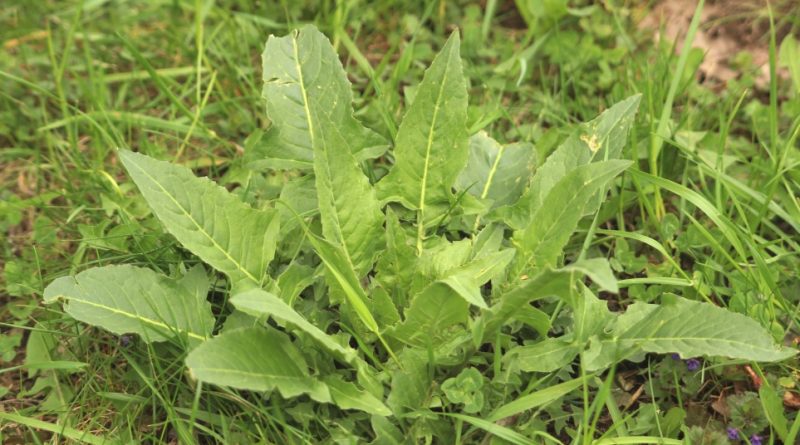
(431, 145)
(601, 139)
(126, 299)
(257, 359)
(212, 223)
(351, 214)
(542, 241)
(303, 76)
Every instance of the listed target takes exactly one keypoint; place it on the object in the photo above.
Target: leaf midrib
(134, 316)
(200, 228)
(428, 146)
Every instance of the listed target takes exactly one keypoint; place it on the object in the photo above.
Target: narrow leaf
(536, 399)
(431, 146)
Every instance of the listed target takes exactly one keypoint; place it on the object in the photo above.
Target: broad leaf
(351, 215)
(257, 359)
(126, 299)
(431, 145)
(495, 172)
(688, 328)
(543, 240)
(601, 139)
(212, 223)
(303, 76)
(258, 303)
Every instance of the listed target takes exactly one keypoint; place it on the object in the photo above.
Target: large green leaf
(303, 76)
(495, 172)
(431, 145)
(257, 359)
(126, 299)
(601, 139)
(688, 328)
(258, 302)
(351, 214)
(542, 241)
(206, 219)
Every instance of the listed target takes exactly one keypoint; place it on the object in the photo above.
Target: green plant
(364, 283)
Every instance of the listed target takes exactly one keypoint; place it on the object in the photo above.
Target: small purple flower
(692, 364)
(676, 357)
(733, 433)
(755, 439)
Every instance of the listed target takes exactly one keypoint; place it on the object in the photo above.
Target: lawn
(424, 221)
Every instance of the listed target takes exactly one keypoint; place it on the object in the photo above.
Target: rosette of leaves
(367, 294)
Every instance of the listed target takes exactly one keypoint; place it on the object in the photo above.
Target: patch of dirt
(727, 28)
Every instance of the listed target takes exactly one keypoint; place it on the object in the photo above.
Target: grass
(716, 192)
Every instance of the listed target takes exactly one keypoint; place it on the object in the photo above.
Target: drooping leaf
(496, 172)
(216, 226)
(126, 299)
(258, 302)
(541, 243)
(351, 215)
(343, 275)
(302, 76)
(257, 359)
(688, 328)
(431, 144)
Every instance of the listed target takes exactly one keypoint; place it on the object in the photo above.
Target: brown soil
(728, 28)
